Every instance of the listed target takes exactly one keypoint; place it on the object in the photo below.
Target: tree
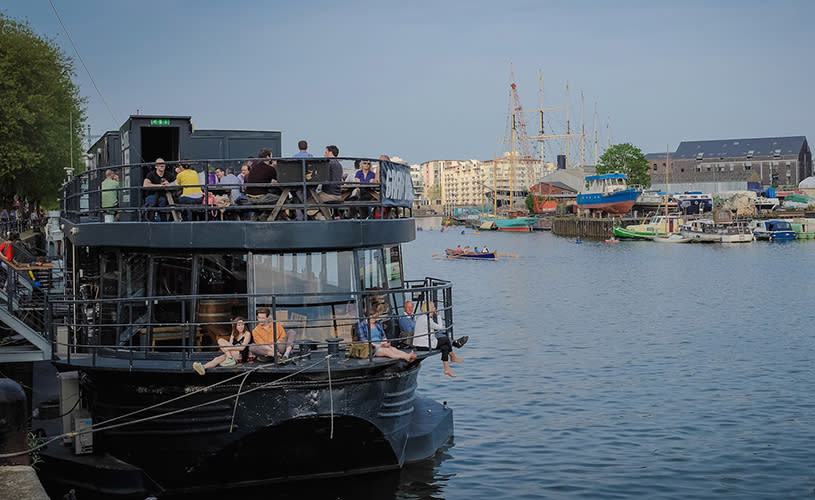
(626, 159)
(41, 115)
(530, 203)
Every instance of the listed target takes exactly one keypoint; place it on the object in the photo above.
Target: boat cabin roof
(602, 177)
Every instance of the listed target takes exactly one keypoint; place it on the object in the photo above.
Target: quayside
(149, 289)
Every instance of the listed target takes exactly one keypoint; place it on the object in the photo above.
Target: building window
(682, 169)
(708, 168)
(747, 167)
(732, 167)
(655, 167)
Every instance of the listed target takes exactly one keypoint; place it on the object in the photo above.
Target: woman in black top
(233, 349)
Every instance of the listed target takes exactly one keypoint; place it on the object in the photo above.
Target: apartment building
(450, 183)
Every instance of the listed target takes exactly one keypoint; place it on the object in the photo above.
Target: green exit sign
(161, 122)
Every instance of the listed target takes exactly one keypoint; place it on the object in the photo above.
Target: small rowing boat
(452, 253)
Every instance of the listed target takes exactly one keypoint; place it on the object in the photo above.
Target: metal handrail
(439, 291)
(82, 195)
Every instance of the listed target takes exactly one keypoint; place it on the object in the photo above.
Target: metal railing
(305, 190)
(178, 328)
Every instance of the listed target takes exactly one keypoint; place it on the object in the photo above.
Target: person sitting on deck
(407, 324)
(234, 350)
(370, 329)
(365, 176)
(331, 191)
(458, 249)
(262, 172)
(157, 178)
(425, 338)
(485, 250)
(266, 333)
(110, 193)
(192, 193)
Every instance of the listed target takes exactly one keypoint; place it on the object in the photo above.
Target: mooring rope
(330, 394)
(107, 427)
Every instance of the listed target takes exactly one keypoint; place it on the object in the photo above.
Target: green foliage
(530, 203)
(38, 102)
(626, 159)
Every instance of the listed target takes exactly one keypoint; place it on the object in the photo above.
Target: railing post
(48, 325)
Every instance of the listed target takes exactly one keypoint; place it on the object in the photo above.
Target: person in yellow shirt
(264, 335)
(191, 194)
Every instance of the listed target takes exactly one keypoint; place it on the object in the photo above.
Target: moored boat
(658, 225)
(772, 230)
(693, 202)
(148, 300)
(518, 224)
(671, 238)
(710, 231)
(608, 193)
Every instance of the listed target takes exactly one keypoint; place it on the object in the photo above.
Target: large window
(310, 294)
(304, 275)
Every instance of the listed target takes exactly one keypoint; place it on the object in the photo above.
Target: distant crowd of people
(20, 217)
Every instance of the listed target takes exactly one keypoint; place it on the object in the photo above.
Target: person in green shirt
(110, 193)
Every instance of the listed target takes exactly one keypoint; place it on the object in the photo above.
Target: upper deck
(218, 211)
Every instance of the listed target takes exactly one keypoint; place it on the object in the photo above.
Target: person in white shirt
(425, 338)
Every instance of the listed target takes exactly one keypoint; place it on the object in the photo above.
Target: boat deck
(312, 362)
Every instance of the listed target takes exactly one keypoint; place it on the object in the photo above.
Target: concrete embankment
(17, 478)
(20, 481)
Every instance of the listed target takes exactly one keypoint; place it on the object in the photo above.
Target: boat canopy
(606, 176)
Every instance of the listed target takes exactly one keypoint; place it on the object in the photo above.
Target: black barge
(149, 288)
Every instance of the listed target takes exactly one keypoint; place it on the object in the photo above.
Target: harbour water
(628, 370)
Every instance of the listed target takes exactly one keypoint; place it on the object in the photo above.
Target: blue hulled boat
(608, 193)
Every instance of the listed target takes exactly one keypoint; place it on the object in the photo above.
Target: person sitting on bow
(233, 350)
(267, 334)
(429, 335)
(370, 329)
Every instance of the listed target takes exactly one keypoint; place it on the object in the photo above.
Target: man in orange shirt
(263, 337)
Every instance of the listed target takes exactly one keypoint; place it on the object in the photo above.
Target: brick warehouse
(773, 161)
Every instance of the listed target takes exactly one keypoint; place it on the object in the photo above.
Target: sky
(430, 80)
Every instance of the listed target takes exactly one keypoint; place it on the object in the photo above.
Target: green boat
(658, 225)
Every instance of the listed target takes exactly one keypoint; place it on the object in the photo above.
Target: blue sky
(428, 80)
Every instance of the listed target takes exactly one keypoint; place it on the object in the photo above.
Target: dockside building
(728, 164)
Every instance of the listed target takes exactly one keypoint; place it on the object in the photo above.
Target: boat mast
(512, 139)
(540, 115)
(494, 187)
(568, 129)
(582, 134)
(667, 168)
(595, 134)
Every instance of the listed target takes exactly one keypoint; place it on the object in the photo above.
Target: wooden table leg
(171, 203)
(280, 201)
(324, 210)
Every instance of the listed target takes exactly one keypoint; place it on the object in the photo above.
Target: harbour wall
(588, 227)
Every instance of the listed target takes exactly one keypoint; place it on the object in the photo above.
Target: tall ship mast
(512, 219)
(155, 287)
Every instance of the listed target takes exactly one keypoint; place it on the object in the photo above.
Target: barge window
(311, 292)
(172, 276)
(286, 275)
(371, 269)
